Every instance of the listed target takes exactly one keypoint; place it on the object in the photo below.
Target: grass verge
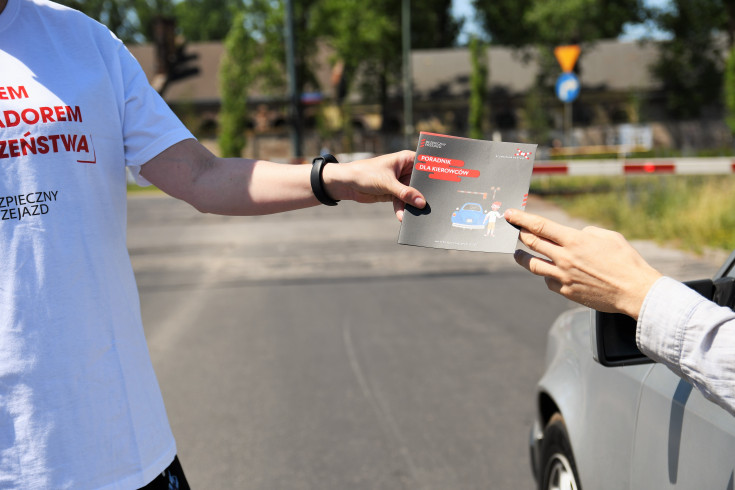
(135, 188)
(690, 212)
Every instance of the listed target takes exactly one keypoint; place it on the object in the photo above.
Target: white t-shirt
(80, 406)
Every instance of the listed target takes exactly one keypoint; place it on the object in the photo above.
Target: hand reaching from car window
(594, 267)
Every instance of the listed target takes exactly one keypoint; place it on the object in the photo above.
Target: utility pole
(293, 86)
(407, 75)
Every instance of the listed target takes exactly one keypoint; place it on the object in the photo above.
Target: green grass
(134, 188)
(692, 213)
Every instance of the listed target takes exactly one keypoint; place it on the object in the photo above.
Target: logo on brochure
(519, 155)
(524, 154)
(431, 144)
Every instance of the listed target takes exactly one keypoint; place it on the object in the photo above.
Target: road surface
(309, 351)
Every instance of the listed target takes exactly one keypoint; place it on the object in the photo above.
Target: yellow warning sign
(567, 56)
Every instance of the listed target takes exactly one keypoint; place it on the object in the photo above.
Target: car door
(682, 440)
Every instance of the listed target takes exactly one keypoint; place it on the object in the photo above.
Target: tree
(236, 78)
(146, 11)
(559, 22)
(254, 58)
(358, 36)
(433, 25)
(690, 63)
(367, 42)
(115, 14)
(730, 91)
(132, 20)
(544, 24)
(555, 22)
(503, 21)
(478, 88)
(206, 20)
(264, 21)
(535, 115)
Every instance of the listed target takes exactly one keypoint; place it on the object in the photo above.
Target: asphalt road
(309, 351)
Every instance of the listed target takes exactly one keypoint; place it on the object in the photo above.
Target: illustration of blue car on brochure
(469, 217)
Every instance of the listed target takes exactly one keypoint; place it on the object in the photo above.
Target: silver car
(608, 417)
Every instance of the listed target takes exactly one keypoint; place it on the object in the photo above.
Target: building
(619, 100)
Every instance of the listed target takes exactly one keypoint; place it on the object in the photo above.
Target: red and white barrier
(679, 166)
(639, 166)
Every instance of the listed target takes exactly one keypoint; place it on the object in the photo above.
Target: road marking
(387, 423)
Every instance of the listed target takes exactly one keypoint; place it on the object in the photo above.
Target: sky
(632, 32)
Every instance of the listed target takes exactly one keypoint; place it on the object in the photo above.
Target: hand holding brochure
(468, 184)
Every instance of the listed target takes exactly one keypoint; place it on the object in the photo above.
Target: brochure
(468, 184)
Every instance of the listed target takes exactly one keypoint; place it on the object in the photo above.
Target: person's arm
(238, 186)
(598, 268)
(692, 336)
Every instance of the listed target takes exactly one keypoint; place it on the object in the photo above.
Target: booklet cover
(468, 184)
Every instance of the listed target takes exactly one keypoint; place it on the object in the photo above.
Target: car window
(472, 207)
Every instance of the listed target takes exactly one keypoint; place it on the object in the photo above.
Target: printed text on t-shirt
(28, 144)
(20, 206)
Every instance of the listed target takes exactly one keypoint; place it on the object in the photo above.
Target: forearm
(237, 186)
(229, 186)
(242, 187)
(692, 336)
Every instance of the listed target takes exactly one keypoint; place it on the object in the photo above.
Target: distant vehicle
(607, 417)
(469, 217)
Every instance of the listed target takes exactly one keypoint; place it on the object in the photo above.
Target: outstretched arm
(239, 186)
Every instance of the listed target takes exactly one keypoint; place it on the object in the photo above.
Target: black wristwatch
(317, 181)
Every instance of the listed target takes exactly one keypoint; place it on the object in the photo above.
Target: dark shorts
(172, 478)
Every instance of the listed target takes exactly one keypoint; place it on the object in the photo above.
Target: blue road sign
(567, 87)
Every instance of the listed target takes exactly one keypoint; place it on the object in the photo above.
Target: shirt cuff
(666, 311)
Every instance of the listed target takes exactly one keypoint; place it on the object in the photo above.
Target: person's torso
(72, 349)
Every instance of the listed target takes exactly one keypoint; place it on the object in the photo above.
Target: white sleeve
(692, 336)
(149, 125)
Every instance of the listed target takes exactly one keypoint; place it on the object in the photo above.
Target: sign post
(407, 74)
(567, 85)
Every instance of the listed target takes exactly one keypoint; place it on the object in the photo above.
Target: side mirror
(724, 293)
(613, 335)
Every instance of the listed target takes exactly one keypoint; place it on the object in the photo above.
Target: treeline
(366, 39)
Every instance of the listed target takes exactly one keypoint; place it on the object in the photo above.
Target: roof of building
(608, 65)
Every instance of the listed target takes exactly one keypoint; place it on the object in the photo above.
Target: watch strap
(317, 181)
